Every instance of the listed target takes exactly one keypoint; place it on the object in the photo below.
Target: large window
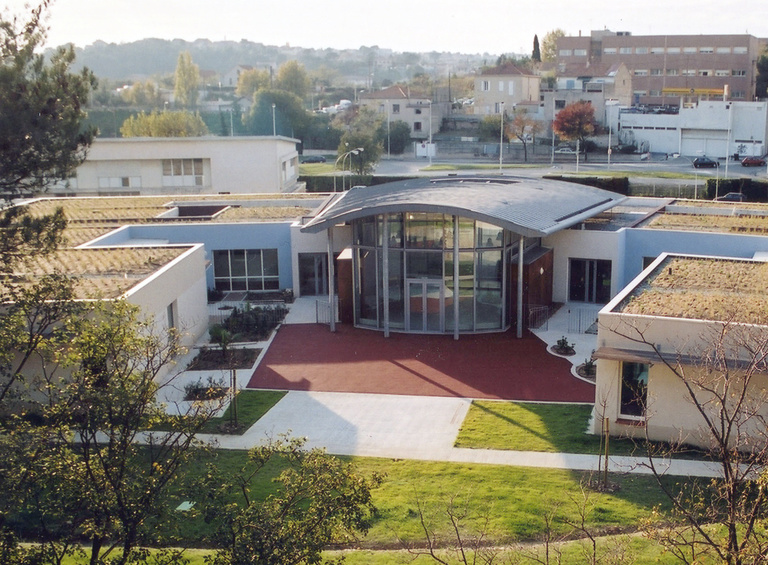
(182, 172)
(246, 269)
(590, 280)
(634, 389)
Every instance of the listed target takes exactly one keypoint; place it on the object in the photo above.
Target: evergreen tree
(536, 55)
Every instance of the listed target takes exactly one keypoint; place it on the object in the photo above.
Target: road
(410, 166)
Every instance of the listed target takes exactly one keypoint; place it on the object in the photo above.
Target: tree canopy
(536, 53)
(42, 137)
(250, 81)
(164, 124)
(187, 81)
(761, 81)
(292, 77)
(363, 131)
(575, 121)
(290, 117)
(549, 44)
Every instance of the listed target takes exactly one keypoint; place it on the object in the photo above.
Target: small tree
(364, 130)
(399, 136)
(761, 81)
(536, 54)
(723, 380)
(524, 128)
(549, 44)
(187, 81)
(290, 117)
(320, 501)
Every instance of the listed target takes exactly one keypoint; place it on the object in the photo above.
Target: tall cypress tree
(536, 55)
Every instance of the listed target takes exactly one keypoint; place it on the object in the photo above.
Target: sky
(465, 26)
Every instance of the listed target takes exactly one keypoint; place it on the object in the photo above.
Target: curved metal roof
(528, 206)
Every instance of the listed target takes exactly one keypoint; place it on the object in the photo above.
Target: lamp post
(342, 158)
(274, 130)
(501, 137)
(429, 147)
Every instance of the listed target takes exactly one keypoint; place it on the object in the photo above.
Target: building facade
(505, 87)
(668, 69)
(399, 103)
(186, 165)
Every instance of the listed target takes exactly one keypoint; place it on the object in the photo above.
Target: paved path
(413, 427)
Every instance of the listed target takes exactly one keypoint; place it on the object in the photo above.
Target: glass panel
(416, 304)
(221, 263)
(634, 389)
(366, 231)
(237, 262)
(395, 230)
(489, 235)
(222, 284)
(489, 268)
(427, 264)
(255, 284)
(176, 167)
(434, 307)
(239, 284)
(602, 282)
(488, 309)
(269, 257)
(253, 262)
(167, 168)
(425, 231)
(578, 280)
(198, 167)
(466, 233)
(396, 285)
(466, 305)
(271, 284)
(367, 287)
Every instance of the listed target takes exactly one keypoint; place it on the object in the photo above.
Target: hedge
(326, 183)
(619, 185)
(754, 190)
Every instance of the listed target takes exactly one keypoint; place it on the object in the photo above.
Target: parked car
(704, 163)
(753, 162)
(565, 151)
(313, 159)
(731, 197)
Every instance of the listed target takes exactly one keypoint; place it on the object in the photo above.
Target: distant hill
(147, 57)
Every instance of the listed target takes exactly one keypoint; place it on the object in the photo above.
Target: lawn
(251, 405)
(523, 426)
(515, 499)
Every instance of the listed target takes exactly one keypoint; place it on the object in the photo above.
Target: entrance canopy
(529, 207)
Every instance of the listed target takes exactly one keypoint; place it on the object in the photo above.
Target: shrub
(208, 390)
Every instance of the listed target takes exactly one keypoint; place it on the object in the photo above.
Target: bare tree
(723, 378)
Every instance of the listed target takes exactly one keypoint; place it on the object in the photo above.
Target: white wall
(231, 164)
(585, 244)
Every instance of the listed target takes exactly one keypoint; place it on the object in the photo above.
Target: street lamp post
(342, 158)
(274, 129)
(429, 148)
(501, 137)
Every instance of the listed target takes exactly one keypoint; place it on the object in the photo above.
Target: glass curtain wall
(422, 283)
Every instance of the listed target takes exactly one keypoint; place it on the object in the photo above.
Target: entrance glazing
(425, 302)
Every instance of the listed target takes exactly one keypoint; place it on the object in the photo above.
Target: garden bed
(214, 359)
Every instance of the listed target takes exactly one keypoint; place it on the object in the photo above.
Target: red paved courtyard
(310, 357)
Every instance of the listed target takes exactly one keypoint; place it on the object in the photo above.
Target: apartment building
(670, 69)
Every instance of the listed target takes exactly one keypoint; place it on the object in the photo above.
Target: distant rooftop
(702, 288)
(721, 217)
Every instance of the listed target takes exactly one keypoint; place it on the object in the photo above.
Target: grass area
(251, 405)
(522, 426)
(515, 499)
(313, 169)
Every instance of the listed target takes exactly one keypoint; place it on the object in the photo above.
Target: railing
(538, 317)
(323, 311)
(583, 320)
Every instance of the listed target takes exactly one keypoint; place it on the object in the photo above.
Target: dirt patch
(213, 359)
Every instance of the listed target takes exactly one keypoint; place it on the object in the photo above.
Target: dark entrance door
(590, 280)
(313, 274)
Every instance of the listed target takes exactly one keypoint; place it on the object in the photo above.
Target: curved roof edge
(529, 207)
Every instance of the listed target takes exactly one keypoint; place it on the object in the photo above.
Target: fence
(538, 317)
(583, 320)
(323, 311)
